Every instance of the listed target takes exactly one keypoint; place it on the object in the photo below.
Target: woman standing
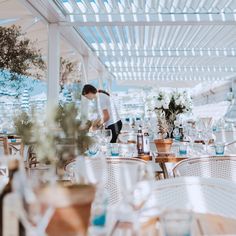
(106, 108)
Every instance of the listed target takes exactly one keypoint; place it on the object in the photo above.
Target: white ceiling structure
(175, 43)
(34, 17)
(158, 40)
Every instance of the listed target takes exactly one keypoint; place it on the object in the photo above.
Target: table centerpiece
(62, 137)
(167, 108)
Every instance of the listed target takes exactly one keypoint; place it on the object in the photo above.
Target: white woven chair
(116, 168)
(215, 167)
(88, 170)
(110, 172)
(203, 195)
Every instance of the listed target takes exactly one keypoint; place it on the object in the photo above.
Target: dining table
(163, 159)
(202, 225)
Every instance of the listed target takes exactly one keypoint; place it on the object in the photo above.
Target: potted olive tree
(19, 58)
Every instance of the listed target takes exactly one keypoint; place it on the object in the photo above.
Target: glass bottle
(146, 143)
(140, 141)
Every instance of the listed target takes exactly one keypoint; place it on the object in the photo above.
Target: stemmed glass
(93, 171)
(107, 135)
(35, 212)
(206, 122)
(102, 138)
(207, 137)
(94, 148)
(135, 191)
(176, 134)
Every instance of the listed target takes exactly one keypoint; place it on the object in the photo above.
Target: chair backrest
(109, 172)
(12, 146)
(87, 170)
(203, 195)
(215, 166)
(127, 138)
(116, 168)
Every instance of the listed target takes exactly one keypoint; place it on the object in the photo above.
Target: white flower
(163, 101)
(166, 105)
(158, 104)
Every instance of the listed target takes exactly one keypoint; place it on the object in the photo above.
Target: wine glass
(207, 137)
(107, 135)
(176, 133)
(135, 191)
(35, 211)
(206, 122)
(93, 149)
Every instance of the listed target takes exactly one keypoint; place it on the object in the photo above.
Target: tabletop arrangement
(66, 178)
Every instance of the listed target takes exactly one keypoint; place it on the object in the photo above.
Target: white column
(100, 80)
(84, 101)
(85, 69)
(53, 65)
(109, 85)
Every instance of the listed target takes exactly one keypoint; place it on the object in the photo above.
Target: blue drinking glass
(220, 149)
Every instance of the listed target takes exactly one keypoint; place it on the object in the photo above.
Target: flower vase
(72, 203)
(163, 145)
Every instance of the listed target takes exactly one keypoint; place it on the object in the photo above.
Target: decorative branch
(69, 72)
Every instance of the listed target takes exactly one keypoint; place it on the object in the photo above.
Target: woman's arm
(106, 115)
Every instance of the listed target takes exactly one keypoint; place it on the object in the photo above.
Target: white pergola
(135, 42)
(41, 21)
(174, 40)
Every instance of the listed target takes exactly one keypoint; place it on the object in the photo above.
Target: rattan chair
(202, 195)
(115, 172)
(109, 172)
(215, 167)
(127, 138)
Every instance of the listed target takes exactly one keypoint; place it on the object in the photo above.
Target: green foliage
(23, 126)
(18, 55)
(68, 72)
(57, 140)
(73, 128)
(66, 118)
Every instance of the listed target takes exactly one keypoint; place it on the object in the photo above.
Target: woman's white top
(104, 102)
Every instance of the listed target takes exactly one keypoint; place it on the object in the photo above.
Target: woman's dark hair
(102, 91)
(88, 88)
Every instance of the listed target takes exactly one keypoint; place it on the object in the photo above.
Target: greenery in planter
(73, 129)
(18, 57)
(23, 126)
(60, 138)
